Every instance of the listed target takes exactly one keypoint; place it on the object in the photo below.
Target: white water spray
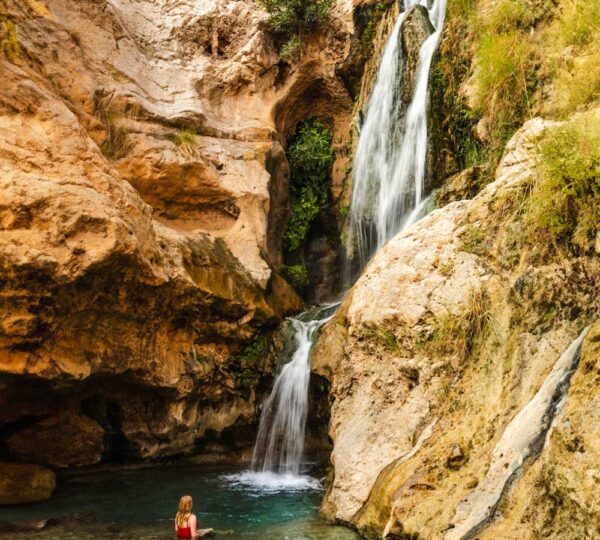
(389, 167)
(280, 443)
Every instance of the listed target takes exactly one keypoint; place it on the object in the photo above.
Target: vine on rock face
(293, 19)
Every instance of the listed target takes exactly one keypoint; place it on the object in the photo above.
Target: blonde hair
(184, 511)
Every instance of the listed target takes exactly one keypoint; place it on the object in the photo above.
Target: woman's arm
(193, 525)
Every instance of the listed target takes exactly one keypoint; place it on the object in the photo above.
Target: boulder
(65, 440)
(21, 483)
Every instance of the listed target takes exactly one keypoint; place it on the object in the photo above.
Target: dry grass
(455, 335)
(116, 144)
(10, 45)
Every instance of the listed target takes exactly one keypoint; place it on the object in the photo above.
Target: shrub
(310, 157)
(296, 274)
(564, 206)
(293, 19)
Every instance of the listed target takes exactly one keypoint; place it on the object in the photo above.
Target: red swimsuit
(184, 532)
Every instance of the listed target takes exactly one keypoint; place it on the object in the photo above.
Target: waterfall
(280, 443)
(390, 160)
(389, 177)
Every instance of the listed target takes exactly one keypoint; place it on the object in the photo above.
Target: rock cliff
(144, 195)
(448, 335)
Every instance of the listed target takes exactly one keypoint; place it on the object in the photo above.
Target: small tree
(293, 19)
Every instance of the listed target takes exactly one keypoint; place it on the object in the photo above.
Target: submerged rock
(25, 483)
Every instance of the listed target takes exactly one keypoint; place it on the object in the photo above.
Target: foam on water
(264, 482)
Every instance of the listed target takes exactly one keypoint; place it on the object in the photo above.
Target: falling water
(389, 167)
(280, 442)
(389, 175)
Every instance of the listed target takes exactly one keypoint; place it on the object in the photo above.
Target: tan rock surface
(442, 341)
(143, 199)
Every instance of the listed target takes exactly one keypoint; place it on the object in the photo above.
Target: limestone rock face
(25, 483)
(143, 199)
(448, 334)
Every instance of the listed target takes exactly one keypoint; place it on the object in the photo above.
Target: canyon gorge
(181, 180)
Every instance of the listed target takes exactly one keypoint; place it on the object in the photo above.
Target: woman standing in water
(186, 524)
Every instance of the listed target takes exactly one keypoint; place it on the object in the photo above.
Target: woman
(185, 522)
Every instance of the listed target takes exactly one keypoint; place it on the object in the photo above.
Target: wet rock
(21, 483)
(416, 28)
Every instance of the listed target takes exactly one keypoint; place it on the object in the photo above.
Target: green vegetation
(505, 78)
(116, 144)
(579, 22)
(296, 274)
(292, 20)
(290, 50)
(185, 137)
(577, 78)
(310, 157)
(564, 206)
(245, 366)
(450, 69)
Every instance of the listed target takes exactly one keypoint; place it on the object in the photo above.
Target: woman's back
(183, 526)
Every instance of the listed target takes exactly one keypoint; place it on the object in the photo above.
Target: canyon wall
(144, 195)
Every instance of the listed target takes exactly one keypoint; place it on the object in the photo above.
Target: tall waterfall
(389, 165)
(389, 176)
(280, 443)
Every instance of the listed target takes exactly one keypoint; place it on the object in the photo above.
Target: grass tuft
(116, 144)
(10, 45)
(185, 137)
(564, 206)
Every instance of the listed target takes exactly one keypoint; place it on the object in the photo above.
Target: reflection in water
(141, 504)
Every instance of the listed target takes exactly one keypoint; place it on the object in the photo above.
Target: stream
(141, 503)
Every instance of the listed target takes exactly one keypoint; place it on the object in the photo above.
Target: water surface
(141, 503)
